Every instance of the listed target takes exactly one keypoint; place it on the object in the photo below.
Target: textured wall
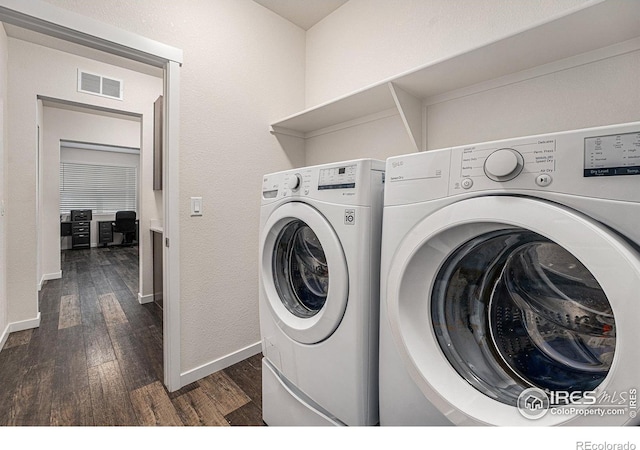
(601, 93)
(243, 69)
(379, 139)
(366, 41)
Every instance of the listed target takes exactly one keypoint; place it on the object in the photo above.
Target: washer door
(492, 296)
(304, 272)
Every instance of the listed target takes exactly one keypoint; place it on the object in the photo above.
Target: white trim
(24, 324)
(4, 336)
(50, 20)
(171, 254)
(221, 363)
(18, 326)
(49, 276)
(99, 147)
(142, 299)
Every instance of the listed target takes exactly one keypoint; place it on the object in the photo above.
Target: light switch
(196, 206)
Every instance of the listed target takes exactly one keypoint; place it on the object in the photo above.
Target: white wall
(389, 38)
(243, 69)
(3, 183)
(600, 93)
(366, 41)
(64, 124)
(35, 70)
(376, 138)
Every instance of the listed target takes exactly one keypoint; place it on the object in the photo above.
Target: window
(100, 188)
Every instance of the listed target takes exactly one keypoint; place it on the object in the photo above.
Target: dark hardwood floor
(96, 358)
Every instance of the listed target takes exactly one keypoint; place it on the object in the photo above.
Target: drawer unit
(81, 234)
(105, 232)
(80, 227)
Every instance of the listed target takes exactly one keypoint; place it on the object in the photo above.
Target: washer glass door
(493, 295)
(512, 309)
(300, 270)
(304, 273)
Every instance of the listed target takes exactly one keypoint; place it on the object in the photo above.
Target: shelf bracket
(410, 109)
(292, 142)
(276, 130)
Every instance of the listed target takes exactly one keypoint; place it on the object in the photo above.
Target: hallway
(96, 359)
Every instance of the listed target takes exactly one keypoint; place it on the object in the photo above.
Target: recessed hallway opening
(96, 358)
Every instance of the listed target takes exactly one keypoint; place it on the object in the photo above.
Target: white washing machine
(510, 287)
(319, 294)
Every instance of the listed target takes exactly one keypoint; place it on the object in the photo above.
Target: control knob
(294, 182)
(504, 164)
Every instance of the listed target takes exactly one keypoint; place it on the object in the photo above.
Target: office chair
(126, 224)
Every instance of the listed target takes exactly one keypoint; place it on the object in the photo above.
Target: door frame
(47, 19)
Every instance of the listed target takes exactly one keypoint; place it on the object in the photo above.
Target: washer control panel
(339, 182)
(342, 177)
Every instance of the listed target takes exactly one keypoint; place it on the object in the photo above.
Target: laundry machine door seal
(304, 273)
(423, 252)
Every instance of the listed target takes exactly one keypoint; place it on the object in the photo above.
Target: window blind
(100, 188)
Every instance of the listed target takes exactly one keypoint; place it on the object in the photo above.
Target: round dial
(504, 164)
(293, 182)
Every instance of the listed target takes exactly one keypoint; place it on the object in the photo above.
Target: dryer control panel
(593, 162)
(500, 163)
(612, 155)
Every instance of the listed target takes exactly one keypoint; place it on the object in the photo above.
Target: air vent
(91, 83)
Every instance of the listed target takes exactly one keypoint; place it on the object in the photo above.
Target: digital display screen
(616, 154)
(270, 194)
(337, 178)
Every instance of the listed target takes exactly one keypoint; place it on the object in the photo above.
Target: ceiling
(304, 13)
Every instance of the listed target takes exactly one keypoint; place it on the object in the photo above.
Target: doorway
(110, 42)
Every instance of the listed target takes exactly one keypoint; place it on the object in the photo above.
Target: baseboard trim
(4, 337)
(18, 326)
(219, 364)
(142, 299)
(12, 327)
(49, 276)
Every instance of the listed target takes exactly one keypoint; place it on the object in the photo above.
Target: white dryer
(319, 293)
(510, 282)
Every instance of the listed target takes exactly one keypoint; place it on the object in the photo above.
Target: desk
(105, 232)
